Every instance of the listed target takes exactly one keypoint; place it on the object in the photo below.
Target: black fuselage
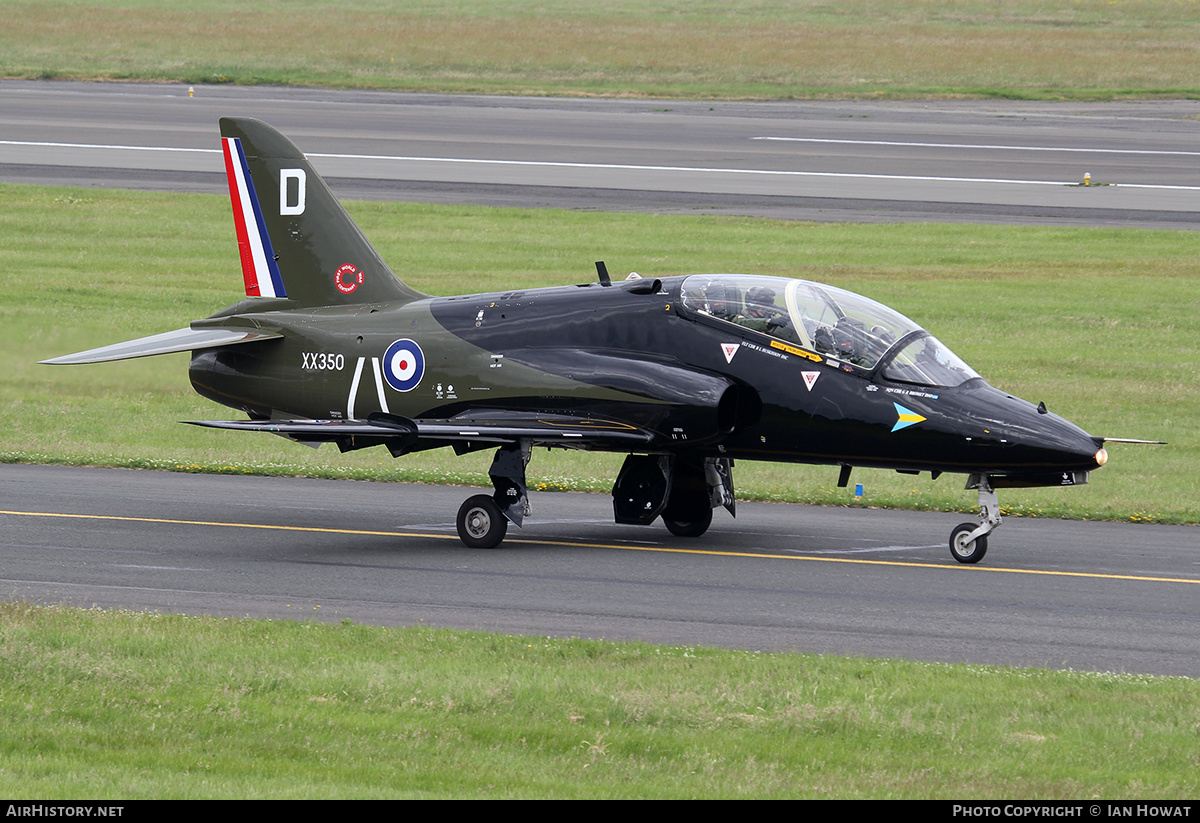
(628, 352)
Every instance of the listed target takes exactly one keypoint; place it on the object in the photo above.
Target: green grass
(127, 705)
(1098, 323)
(1086, 49)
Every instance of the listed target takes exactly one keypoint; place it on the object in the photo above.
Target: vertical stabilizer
(294, 238)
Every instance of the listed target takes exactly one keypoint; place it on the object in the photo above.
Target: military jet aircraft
(683, 374)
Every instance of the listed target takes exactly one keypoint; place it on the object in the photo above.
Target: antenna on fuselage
(602, 271)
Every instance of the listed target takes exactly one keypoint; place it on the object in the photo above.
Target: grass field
(1098, 323)
(120, 705)
(773, 49)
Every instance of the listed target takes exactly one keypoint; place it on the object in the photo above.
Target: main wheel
(967, 551)
(694, 527)
(480, 523)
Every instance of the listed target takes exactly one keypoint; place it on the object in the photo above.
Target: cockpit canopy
(832, 322)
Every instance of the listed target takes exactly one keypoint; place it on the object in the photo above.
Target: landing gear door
(642, 488)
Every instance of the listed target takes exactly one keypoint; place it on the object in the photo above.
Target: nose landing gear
(968, 542)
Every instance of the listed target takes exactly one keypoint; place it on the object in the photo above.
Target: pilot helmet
(758, 299)
(716, 298)
(761, 295)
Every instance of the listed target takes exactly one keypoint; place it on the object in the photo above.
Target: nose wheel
(968, 542)
(963, 547)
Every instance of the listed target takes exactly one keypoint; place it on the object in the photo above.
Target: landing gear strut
(968, 542)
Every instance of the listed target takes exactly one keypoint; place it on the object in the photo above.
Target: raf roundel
(403, 365)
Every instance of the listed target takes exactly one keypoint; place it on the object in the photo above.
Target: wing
(484, 428)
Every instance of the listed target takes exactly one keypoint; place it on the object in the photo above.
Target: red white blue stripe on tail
(259, 268)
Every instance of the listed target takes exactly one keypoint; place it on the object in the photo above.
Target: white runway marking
(160, 568)
(875, 550)
(622, 166)
(985, 146)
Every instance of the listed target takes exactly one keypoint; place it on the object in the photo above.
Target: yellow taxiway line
(661, 549)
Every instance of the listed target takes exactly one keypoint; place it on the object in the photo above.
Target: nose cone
(1010, 436)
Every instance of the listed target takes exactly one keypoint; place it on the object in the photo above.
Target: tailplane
(294, 238)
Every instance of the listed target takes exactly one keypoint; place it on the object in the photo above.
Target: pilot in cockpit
(763, 315)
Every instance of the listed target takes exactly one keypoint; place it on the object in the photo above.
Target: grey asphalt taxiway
(1078, 595)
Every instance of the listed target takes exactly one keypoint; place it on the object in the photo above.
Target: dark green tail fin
(295, 239)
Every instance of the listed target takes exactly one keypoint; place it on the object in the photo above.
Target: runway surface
(994, 161)
(1089, 596)
(1097, 596)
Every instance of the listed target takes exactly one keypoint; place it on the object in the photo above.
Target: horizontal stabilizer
(165, 343)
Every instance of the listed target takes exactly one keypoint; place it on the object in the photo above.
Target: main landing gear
(682, 489)
(483, 519)
(968, 542)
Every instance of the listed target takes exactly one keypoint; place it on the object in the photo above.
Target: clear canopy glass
(833, 322)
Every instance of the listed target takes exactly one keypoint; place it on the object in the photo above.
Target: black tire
(480, 523)
(965, 552)
(690, 528)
